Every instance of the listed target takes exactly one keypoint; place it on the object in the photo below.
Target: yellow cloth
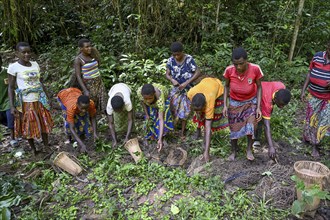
(212, 89)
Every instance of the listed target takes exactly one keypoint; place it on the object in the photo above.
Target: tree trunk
(296, 29)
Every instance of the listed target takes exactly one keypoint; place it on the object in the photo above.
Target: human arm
(77, 138)
(225, 98)
(271, 149)
(93, 119)
(197, 74)
(112, 130)
(259, 94)
(11, 94)
(77, 69)
(130, 125)
(207, 139)
(161, 130)
(302, 95)
(145, 110)
(169, 77)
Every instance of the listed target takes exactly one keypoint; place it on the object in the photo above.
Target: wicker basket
(311, 173)
(63, 161)
(134, 149)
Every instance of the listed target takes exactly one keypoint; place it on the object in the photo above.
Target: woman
(243, 80)
(181, 72)
(34, 119)
(155, 103)
(317, 124)
(87, 72)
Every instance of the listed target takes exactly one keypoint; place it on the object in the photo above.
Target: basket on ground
(311, 173)
(134, 149)
(63, 161)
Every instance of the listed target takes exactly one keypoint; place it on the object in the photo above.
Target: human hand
(14, 111)
(206, 156)
(302, 96)
(83, 148)
(272, 152)
(114, 143)
(174, 82)
(328, 84)
(182, 86)
(160, 144)
(95, 137)
(86, 93)
(225, 111)
(258, 115)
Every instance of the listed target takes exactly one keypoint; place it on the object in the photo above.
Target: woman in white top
(120, 111)
(31, 107)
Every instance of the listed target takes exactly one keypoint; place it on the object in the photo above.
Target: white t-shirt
(26, 77)
(125, 91)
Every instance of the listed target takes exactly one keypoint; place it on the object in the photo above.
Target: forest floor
(261, 180)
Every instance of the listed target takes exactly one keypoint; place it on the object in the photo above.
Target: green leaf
(174, 209)
(5, 214)
(297, 207)
(268, 173)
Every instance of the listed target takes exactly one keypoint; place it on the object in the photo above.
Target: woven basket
(63, 161)
(311, 173)
(134, 149)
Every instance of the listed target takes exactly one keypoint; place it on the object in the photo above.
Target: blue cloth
(7, 119)
(42, 96)
(182, 72)
(153, 125)
(81, 122)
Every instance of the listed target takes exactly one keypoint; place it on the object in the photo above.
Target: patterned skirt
(82, 123)
(242, 118)
(34, 120)
(152, 126)
(97, 93)
(317, 120)
(218, 122)
(180, 104)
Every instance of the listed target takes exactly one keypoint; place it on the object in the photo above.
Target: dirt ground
(262, 177)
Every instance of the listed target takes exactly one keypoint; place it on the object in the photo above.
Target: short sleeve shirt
(126, 93)
(319, 76)
(27, 77)
(160, 103)
(268, 93)
(69, 98)
(212, 89)
(243, 87)
(182, 72)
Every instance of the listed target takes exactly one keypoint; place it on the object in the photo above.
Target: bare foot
(249, 155)
(232, 157)
(315, 153)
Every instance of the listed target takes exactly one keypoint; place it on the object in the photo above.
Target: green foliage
(308, 196)
(12, 193)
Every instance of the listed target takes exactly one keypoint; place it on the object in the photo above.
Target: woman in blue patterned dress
(181, 70)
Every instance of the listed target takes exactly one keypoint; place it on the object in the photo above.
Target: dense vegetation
(133, 37)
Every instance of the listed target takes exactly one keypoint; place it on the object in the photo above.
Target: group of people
(243, 103)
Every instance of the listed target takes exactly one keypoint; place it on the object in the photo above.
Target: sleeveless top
(90, 70)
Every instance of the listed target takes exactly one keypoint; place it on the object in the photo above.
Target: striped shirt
(90, 69)
(319, 76)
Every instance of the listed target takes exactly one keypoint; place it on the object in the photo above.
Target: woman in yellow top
(207, 102)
